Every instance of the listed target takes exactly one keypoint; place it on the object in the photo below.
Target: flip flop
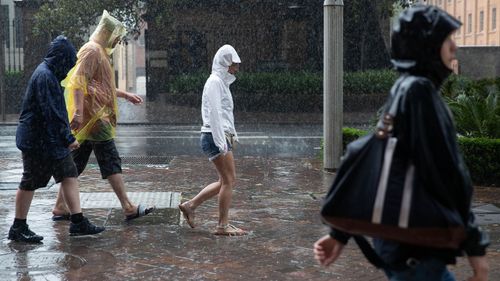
(188, 215)
(141, 212)
(230, 230)
(64, 217)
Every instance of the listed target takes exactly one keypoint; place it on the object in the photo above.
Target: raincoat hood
(225, 57)
(417, 38)
(108, 31)
(61, 57)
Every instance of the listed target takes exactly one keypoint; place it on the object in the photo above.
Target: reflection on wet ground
(166, 140)
(276, 198)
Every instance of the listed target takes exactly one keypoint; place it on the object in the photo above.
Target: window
(142, 39)
(18, 28)
(459, 31)
(493, 18)
(469, 23)
(481, 21)
(4, 23)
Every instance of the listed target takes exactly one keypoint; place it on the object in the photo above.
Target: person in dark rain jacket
(423, 49)
(44, 137)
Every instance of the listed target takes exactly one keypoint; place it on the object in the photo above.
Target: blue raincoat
(43, 124)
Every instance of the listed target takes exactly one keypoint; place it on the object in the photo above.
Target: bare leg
(187, 208)
(118, 186)
(226, 171)
(60, 207)
(206, 193)
(23, 203)
(70, 191)
(225, 168)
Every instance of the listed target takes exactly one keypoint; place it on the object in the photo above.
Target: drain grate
(140, 160)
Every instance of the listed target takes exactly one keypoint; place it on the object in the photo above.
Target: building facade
(130, 65)
(479, 19)
(11, 41)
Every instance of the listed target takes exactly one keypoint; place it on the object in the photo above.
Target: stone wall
(479, 62)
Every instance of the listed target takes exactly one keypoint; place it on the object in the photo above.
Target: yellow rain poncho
(93, 75)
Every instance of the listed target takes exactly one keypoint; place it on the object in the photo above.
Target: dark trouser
(37, 170)
(106, 154)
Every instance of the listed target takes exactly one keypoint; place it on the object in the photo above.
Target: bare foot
(188, 213)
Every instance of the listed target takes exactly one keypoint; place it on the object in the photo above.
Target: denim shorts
(427, 269)
(209, 148)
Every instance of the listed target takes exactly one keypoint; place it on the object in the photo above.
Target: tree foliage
(477, 112)
(75, 18)
(404, 3)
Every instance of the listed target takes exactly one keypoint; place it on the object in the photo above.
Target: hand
(76, 122)
(133, 98)
(327, 250)
(224, 149)
(480, 267)
(74, 145)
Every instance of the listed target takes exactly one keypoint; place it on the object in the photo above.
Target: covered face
(109, 31)
(61, 56)
(225, 57)
(417, 38)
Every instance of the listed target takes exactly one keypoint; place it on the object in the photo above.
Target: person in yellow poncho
(91, 100)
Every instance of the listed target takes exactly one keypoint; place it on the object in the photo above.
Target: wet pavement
(277, 197)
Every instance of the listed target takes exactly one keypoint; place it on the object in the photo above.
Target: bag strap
(372, 256)
(384, 131)
(386, 123)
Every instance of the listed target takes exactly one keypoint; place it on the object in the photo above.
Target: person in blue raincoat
(44, 137)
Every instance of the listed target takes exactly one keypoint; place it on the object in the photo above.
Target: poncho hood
(417, 38)
(225, 57)
(108, 31)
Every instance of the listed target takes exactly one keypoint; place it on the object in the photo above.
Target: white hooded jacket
(217, 102)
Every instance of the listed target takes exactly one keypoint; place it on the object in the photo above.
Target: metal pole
(333, 73)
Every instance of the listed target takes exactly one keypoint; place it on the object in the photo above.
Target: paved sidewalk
(277, 199)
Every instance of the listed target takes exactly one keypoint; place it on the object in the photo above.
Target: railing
(12, 43)
(11, 66)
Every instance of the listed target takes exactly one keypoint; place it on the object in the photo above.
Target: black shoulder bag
(359, 202)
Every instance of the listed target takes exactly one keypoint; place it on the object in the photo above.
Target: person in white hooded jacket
(217, 139)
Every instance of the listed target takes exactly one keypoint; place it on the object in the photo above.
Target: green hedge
(482, 156)
(14, 89)
(350, 134)
(280, 91)
(369, 82)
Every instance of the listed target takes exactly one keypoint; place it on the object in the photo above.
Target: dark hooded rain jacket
(43, 124)
(426, 134)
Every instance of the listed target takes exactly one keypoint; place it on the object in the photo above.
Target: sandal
(141, 211)
(63, 217)
(188, 214)
(229, 230)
